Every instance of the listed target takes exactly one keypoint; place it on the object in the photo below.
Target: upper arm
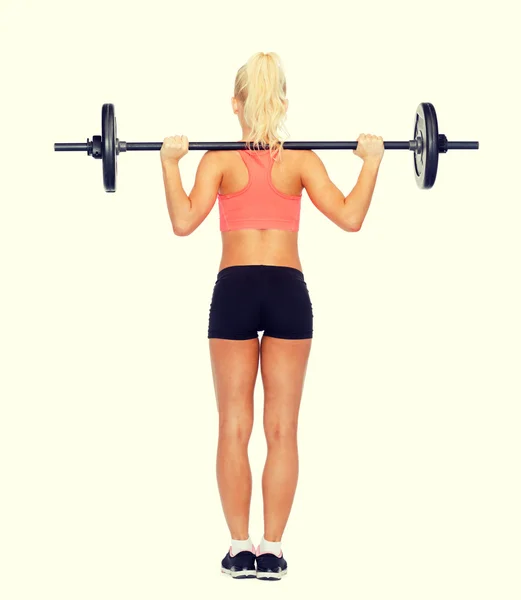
(322, 191)
(204, 192)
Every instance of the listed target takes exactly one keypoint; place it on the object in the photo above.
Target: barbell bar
(426, 145)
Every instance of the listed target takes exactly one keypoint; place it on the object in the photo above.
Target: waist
(254, 247)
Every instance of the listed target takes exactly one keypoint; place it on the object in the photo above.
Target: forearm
(179, 204)
(357, 203)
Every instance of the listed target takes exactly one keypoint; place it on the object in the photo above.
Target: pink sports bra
(259, 205)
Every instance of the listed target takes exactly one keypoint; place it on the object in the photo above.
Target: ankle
(241, 545)
(267, 546)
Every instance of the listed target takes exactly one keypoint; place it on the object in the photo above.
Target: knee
(237, 430)
(278, 432)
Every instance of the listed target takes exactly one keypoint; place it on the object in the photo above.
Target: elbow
(352, 226)
(181, 229)
(351, 221)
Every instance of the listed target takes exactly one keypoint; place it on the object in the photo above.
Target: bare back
(261, 246)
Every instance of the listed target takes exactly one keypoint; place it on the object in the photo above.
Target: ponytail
(261, 85)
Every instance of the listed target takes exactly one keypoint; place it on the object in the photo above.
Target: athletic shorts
(248, 299)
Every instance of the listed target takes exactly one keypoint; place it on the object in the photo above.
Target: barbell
(426, 145)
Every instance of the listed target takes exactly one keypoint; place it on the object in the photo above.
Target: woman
(260, 287)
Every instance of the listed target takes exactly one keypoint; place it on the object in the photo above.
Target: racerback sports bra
(259, 205)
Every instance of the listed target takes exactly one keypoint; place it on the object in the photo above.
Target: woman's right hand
(370, 147)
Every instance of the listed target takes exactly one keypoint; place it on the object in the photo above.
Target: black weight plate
(426, 156)
(108, 146)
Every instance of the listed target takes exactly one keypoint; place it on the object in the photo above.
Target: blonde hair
(260, 85)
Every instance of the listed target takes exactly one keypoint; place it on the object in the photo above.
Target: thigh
(235, 364)
(283, 368)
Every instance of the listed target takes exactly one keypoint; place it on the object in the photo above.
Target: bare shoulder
(213, 156)
(222, 158)
(303, 162)
(213, 160)
(305, 158)
(297, 155)
(295, 159)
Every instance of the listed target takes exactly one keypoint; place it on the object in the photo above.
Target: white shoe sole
(271, 576)
(239, 574)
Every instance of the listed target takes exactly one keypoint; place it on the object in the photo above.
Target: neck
(245, 135)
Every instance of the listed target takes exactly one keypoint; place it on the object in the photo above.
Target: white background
(409, 432)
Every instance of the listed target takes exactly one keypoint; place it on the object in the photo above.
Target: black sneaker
(240, 566)
(271, 567)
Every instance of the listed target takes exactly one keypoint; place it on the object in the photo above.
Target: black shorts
(248, 299)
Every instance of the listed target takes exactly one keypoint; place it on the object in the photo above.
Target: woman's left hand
(174, 148)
